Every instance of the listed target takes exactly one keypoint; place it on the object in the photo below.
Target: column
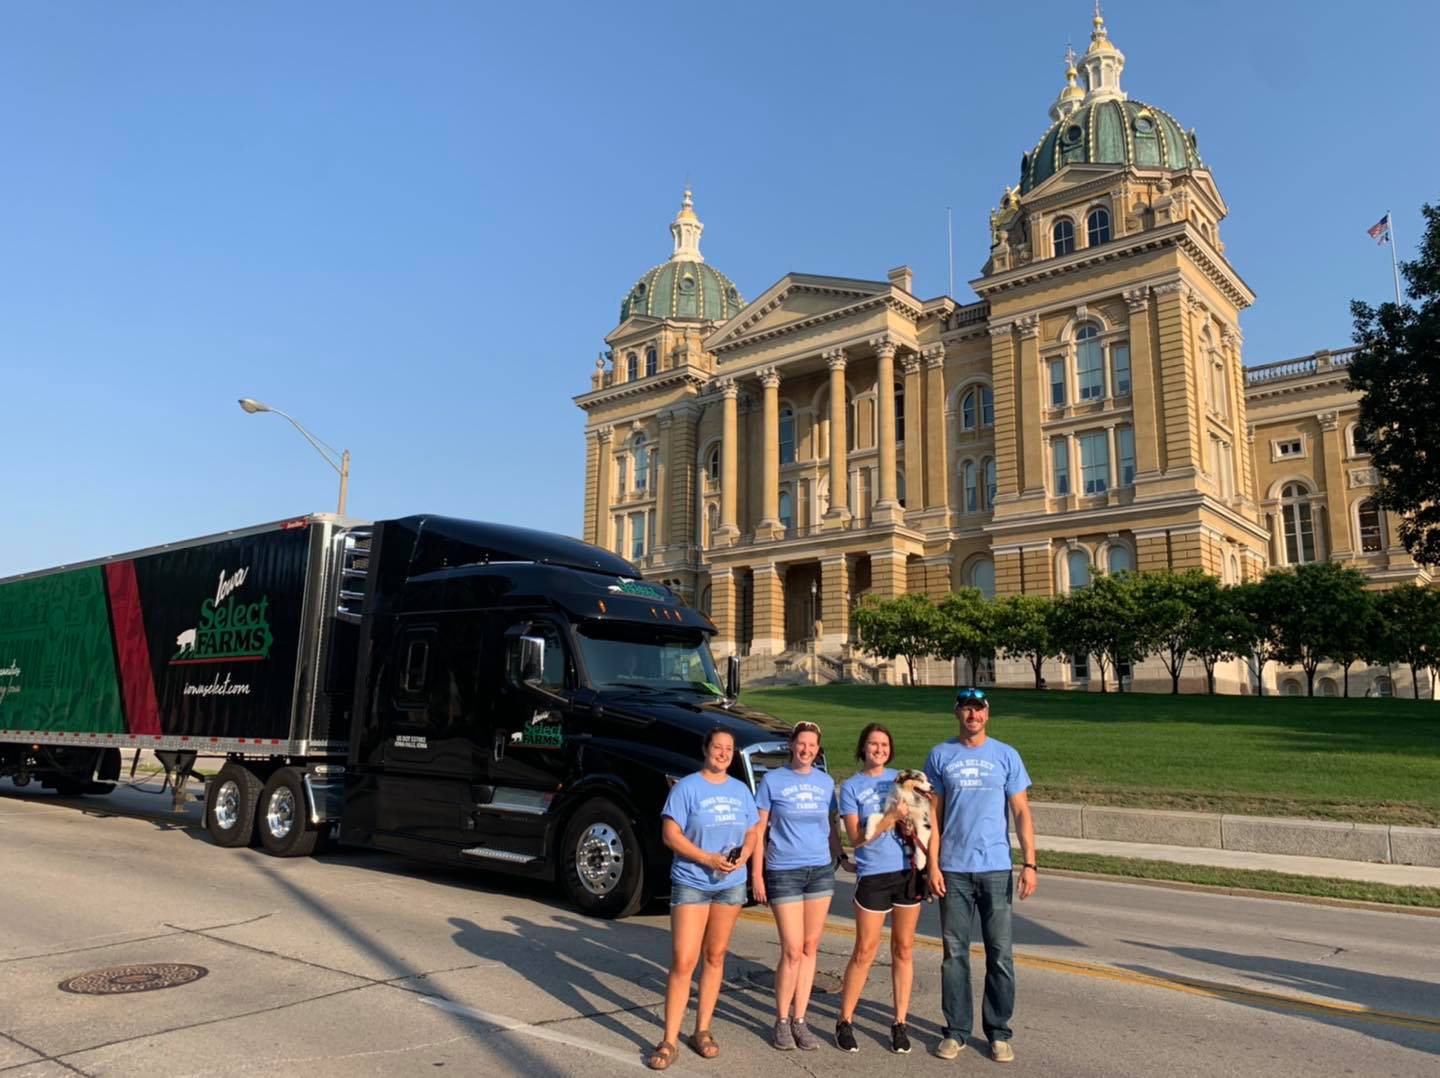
(1148, 433)
(770, 526)
(887, 573)
(1009, 576)
(1239, 414)
(1027, 415)
(681, 474)
(769, 597)
(1114, 477)
(914, 440)
(937, 449)
(728, 532)
(1002, 368)
(603, 467)
(1333, 469)
(834, 602)
(662, 455)
(1177, 391)
(722, 610)
(592, 506)
(887, 508)
(1037, 568)
(838, 515)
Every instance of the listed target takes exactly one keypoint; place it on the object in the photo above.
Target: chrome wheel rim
(280, 812)
(600, 859)
(227, 805)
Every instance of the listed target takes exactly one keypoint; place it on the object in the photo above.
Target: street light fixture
(339, 461)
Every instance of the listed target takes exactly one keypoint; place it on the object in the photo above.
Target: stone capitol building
(776, 460)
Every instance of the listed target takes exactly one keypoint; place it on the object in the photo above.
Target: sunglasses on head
(805, 728)
(970, 696)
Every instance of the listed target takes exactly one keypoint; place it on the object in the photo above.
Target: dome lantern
(1103, 63)
(1072, 96)
(685, 287)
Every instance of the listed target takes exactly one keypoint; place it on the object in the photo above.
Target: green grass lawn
(1369, 760)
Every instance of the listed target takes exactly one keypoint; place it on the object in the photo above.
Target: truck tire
(601, 862)
(283, 821)
(230, 801)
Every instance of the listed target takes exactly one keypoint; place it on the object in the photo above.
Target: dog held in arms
(912, 789)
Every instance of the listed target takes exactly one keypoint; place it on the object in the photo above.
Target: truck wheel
(601, 863)
(230, 806)
(284, 822)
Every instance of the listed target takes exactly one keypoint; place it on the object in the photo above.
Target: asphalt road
(360, 963)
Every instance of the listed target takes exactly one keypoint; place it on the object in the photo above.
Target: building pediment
(799, 302)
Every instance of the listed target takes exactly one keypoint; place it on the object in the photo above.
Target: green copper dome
(684, 287)
(1110, 132)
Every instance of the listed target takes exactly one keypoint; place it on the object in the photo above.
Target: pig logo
(970, 772)
(185, 642)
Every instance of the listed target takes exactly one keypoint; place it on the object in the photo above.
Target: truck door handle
(497, 748)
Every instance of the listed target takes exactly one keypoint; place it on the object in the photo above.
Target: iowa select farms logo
(230, 629)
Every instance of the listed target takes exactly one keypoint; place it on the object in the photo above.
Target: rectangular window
(1295, 447)
(1080, 667)
(1089, 371)
(650, 531)
(1094, 462)
(1057, 383)
(620, 475)
(1120, 361)
(637, 536)
(1125, 450)
(1060, 453)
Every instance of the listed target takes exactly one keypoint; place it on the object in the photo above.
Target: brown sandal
(704, 1044)
(661, 1056)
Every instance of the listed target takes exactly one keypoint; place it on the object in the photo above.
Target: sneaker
(949, 1048)
(804, 1039)
(782, 1038)
(899, 1039)
(1001, 1052)
(845, 1037)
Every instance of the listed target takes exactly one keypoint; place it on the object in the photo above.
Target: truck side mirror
(532, 661)
(732, 677)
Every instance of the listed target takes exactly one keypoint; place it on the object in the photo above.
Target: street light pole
(338, 461)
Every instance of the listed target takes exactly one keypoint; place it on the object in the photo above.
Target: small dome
(684, 287)
(1110, 132)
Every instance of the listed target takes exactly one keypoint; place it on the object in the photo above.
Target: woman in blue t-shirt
(709, 826)
(883, 886)
(794, 873)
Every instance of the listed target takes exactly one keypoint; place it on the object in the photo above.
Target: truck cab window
(556, 660)
(616, 657)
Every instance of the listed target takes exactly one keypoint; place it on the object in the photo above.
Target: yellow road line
(1174, 983)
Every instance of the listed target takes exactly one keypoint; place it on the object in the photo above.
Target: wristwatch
(1032, 866)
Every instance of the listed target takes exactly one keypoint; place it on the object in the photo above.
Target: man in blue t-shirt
(975, 779)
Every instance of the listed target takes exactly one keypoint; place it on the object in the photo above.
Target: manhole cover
(825, 983)
(118, 980)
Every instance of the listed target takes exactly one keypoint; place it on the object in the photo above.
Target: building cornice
(687, 377)
(899, 304)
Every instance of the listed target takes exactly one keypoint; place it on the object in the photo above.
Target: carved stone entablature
(835, 359)
(1363, 477)
(1169, 288)
(769, 377)
(934, 355)
(910, 363)
(884, 345)
(1230, 337)
(1029, 326)
(667, 417)
(1197, 305)
(1328, 420)
(726, 387)
(1001, 329)
(603, 434)
(1137, 299)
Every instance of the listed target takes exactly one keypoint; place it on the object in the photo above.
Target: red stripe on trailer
(137, 684)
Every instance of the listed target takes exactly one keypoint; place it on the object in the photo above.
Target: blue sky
(410, 225)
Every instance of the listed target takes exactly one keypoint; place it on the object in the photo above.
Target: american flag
(1380, 230)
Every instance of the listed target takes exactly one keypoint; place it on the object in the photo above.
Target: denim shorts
(682, 894)
(784, 885)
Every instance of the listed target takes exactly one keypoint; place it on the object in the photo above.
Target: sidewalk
(1398, 875)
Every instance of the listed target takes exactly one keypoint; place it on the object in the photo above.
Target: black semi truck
(450, 690)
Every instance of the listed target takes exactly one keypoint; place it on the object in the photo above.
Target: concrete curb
(1247, 834)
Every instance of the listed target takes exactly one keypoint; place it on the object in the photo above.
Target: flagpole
(1394, 265)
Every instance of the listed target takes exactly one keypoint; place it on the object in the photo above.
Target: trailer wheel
(602, 866)
(284, 823)
(230, 805)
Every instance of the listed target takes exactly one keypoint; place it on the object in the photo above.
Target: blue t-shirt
(799, 807)
(714, 816)
(864, 796)
(975, 783)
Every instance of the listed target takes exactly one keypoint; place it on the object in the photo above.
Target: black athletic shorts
(885, 891)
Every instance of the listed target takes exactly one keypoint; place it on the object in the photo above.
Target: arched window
(632, 367)
(712, 465)
(1291, 687)
(642, 463)
(969, 410)
(1063, 236)
(1359, 444)
(989, 482)
(652, 362)
(982, 576)
(1097, 226)
(972, 492)
(705, 600)
(1384, 686)
(787, 435)
(987, 407)
(621, 465)
(1372, 533)
(1120, 559)
(1077, 568)
(1328, 687)
(899, 415)
(1089, 366)
(1298, 525)
(712, 524)
(787, 509)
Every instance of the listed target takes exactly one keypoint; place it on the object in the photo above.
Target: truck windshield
(615, 657)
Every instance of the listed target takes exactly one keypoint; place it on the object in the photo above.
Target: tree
(1170, 606)
(1351, 639)
(1252, 631)
(1221, 630)
(1102, 619)
(967, 629)
(1409, 619)
(906, 626)
(1316, 605)
(1025, 629)
(1397, 372)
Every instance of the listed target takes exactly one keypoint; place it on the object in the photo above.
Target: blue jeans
(991, 893)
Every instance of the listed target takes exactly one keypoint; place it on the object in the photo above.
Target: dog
(913, 789)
